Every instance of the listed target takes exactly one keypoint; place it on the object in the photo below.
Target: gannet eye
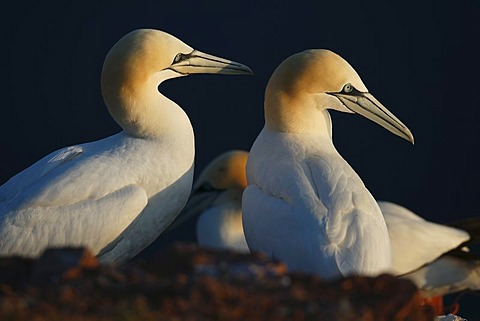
(347, 88)
(178, 57)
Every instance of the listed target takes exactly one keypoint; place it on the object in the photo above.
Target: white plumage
(115, 195)
(415, 241)
(431, 255)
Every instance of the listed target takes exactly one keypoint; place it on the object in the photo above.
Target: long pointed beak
(196, 204)
(198, 62)
(365, 104)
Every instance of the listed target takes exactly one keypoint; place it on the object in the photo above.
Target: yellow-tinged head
(307, 83)
(143, 52)
(138, 55)
(225, 172)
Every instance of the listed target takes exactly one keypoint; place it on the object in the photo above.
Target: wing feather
(92, 223)
(353, 221)
(35, 173)
(65, 177)
(415, 241)
(291, 237)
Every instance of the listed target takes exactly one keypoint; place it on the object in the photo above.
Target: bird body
(220, 226)
(433, 256)
(416, 241)
(330, 217)
(56, 197)
(115, 195)
(304, 204)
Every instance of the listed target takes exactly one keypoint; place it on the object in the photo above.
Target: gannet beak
(198, 62)
(199, 201)
(365, 104)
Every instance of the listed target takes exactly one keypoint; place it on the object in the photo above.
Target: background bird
(215, 203)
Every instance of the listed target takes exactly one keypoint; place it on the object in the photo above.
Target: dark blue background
(419, 58)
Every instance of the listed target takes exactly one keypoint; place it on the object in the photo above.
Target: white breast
(306, 206)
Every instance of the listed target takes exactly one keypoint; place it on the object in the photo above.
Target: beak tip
(248, 71)
(410, 138)
(237, 69)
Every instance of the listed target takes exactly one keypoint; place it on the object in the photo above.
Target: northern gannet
(216, 203)
(304, 204)
(115, 195)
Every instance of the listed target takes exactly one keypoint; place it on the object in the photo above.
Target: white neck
(140, 109)
(301, 116)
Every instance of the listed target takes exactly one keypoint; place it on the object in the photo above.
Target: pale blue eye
(348, 88)
(177, 58)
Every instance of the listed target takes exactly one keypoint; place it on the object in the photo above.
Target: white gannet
(115, 195)
(304, 204)
(216, 203)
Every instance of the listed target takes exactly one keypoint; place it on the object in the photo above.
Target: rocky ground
(184, 282)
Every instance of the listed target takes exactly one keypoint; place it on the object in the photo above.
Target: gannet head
(223, 178)
(144, 52)
(136, 65)
(225, 172)
(316, 80)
